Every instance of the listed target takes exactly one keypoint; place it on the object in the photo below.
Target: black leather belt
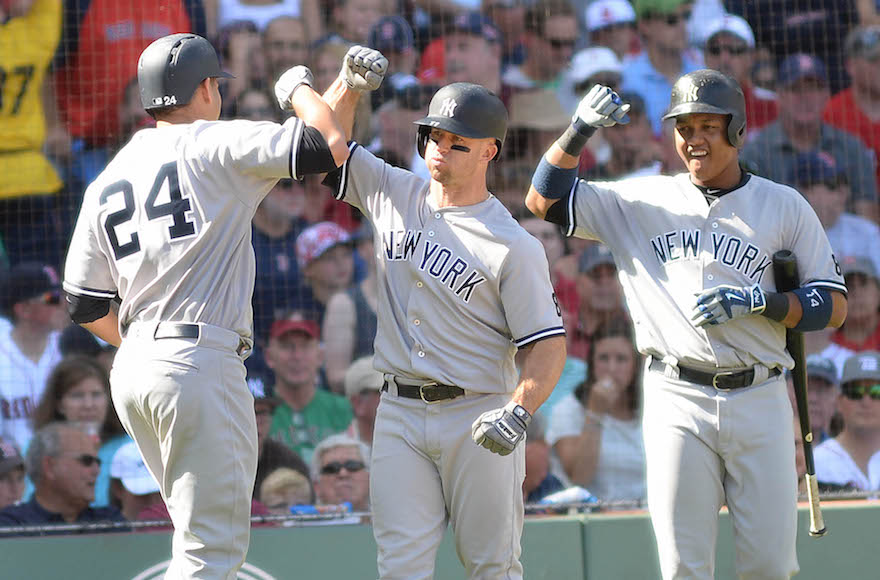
(429, 392)
(176, 330)
(723, 381)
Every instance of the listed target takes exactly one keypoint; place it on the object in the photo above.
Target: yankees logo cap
(862, 366)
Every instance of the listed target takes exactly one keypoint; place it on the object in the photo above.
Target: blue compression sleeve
(553, 182)
(817, 307)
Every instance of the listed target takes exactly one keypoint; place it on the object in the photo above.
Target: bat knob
(818, 533)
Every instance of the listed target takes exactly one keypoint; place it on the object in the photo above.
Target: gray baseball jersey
(460, 288)
(163, 228)
(670, 245)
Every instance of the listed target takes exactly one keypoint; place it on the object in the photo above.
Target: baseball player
(693, 254)
(462, 287)
(167, 228)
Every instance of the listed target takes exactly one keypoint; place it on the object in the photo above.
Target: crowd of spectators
(69, 99)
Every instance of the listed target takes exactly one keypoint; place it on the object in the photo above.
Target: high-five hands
(289, 82)
(364, 68)
(602, 107)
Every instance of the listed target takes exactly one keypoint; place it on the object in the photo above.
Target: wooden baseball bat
(785, 271)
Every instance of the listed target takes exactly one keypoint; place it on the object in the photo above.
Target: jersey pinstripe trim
(343, 172)
(541, 334)
(90, 292)
(572, 226)
(294, 148)
(829, 284)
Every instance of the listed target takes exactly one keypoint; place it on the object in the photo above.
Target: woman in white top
(596, 431)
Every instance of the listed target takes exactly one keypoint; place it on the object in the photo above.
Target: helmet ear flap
(422, 139)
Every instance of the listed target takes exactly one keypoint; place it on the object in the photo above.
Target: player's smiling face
(701, 142)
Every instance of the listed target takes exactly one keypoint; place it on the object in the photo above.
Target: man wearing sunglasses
(730, 48)
(664, 58)
(340, 473)
(30, 300)
(853, 457)
(63, 463)
(550, 36)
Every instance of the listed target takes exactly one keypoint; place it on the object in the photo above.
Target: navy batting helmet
(710, 91)
(467, 110)
(170, 69)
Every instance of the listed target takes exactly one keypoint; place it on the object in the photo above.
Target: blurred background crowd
(810, 72)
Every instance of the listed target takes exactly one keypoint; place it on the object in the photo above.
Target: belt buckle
(422, 391)
(722, 374)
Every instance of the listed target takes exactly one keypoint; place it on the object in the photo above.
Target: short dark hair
(543, 10)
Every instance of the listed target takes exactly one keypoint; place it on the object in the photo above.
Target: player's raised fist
(500, 430)
(602, 107)
(289, 82)
(364, 68)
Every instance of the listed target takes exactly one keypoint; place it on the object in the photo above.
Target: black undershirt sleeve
(314, 154)
(83, 309)
(557, 213)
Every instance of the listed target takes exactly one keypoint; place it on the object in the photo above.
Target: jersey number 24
(177, 208)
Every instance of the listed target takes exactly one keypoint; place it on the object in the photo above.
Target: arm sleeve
(87, 270)
(806, 238)
(314, 153)
(530, 304)
(367, 182)
(258, 148)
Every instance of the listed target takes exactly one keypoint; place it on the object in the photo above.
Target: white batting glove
(289, 82)
(724, 303)
(363, 69)
(602, 107)
(500, 430)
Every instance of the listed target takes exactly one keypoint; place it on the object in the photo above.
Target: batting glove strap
(501, 430)
(289, 82)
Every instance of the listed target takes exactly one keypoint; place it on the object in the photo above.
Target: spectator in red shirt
(730, 48)
(857, 109)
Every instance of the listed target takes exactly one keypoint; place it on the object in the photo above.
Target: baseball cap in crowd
(800, 66)
(821, 367)
(475, 23)
(815, 167)
(317, 239)
(361, 376)
(29, 280)
(858, 265)
(594, 255)
(128, 466)
(391, 34)
(537, 109)
(862, 366)
(864, 42)
(645, 8)
(281, 327)
(592, 62)
(604, 13)
(10, 458)
(732, 24)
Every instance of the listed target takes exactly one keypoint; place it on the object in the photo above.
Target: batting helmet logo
(448, 107)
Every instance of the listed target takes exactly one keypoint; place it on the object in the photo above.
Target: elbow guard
(817, 306)
(83, 309)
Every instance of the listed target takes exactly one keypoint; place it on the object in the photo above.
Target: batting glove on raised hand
(602, 107)
(364, 68)
(500, 430)
(289, 82)
(724, 303)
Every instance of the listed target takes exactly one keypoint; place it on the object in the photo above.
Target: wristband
(817, 306)
(777, 306)
(575, 137)
(553, 182)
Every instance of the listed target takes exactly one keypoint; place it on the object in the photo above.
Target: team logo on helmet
(689, 93)
(447, 107)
